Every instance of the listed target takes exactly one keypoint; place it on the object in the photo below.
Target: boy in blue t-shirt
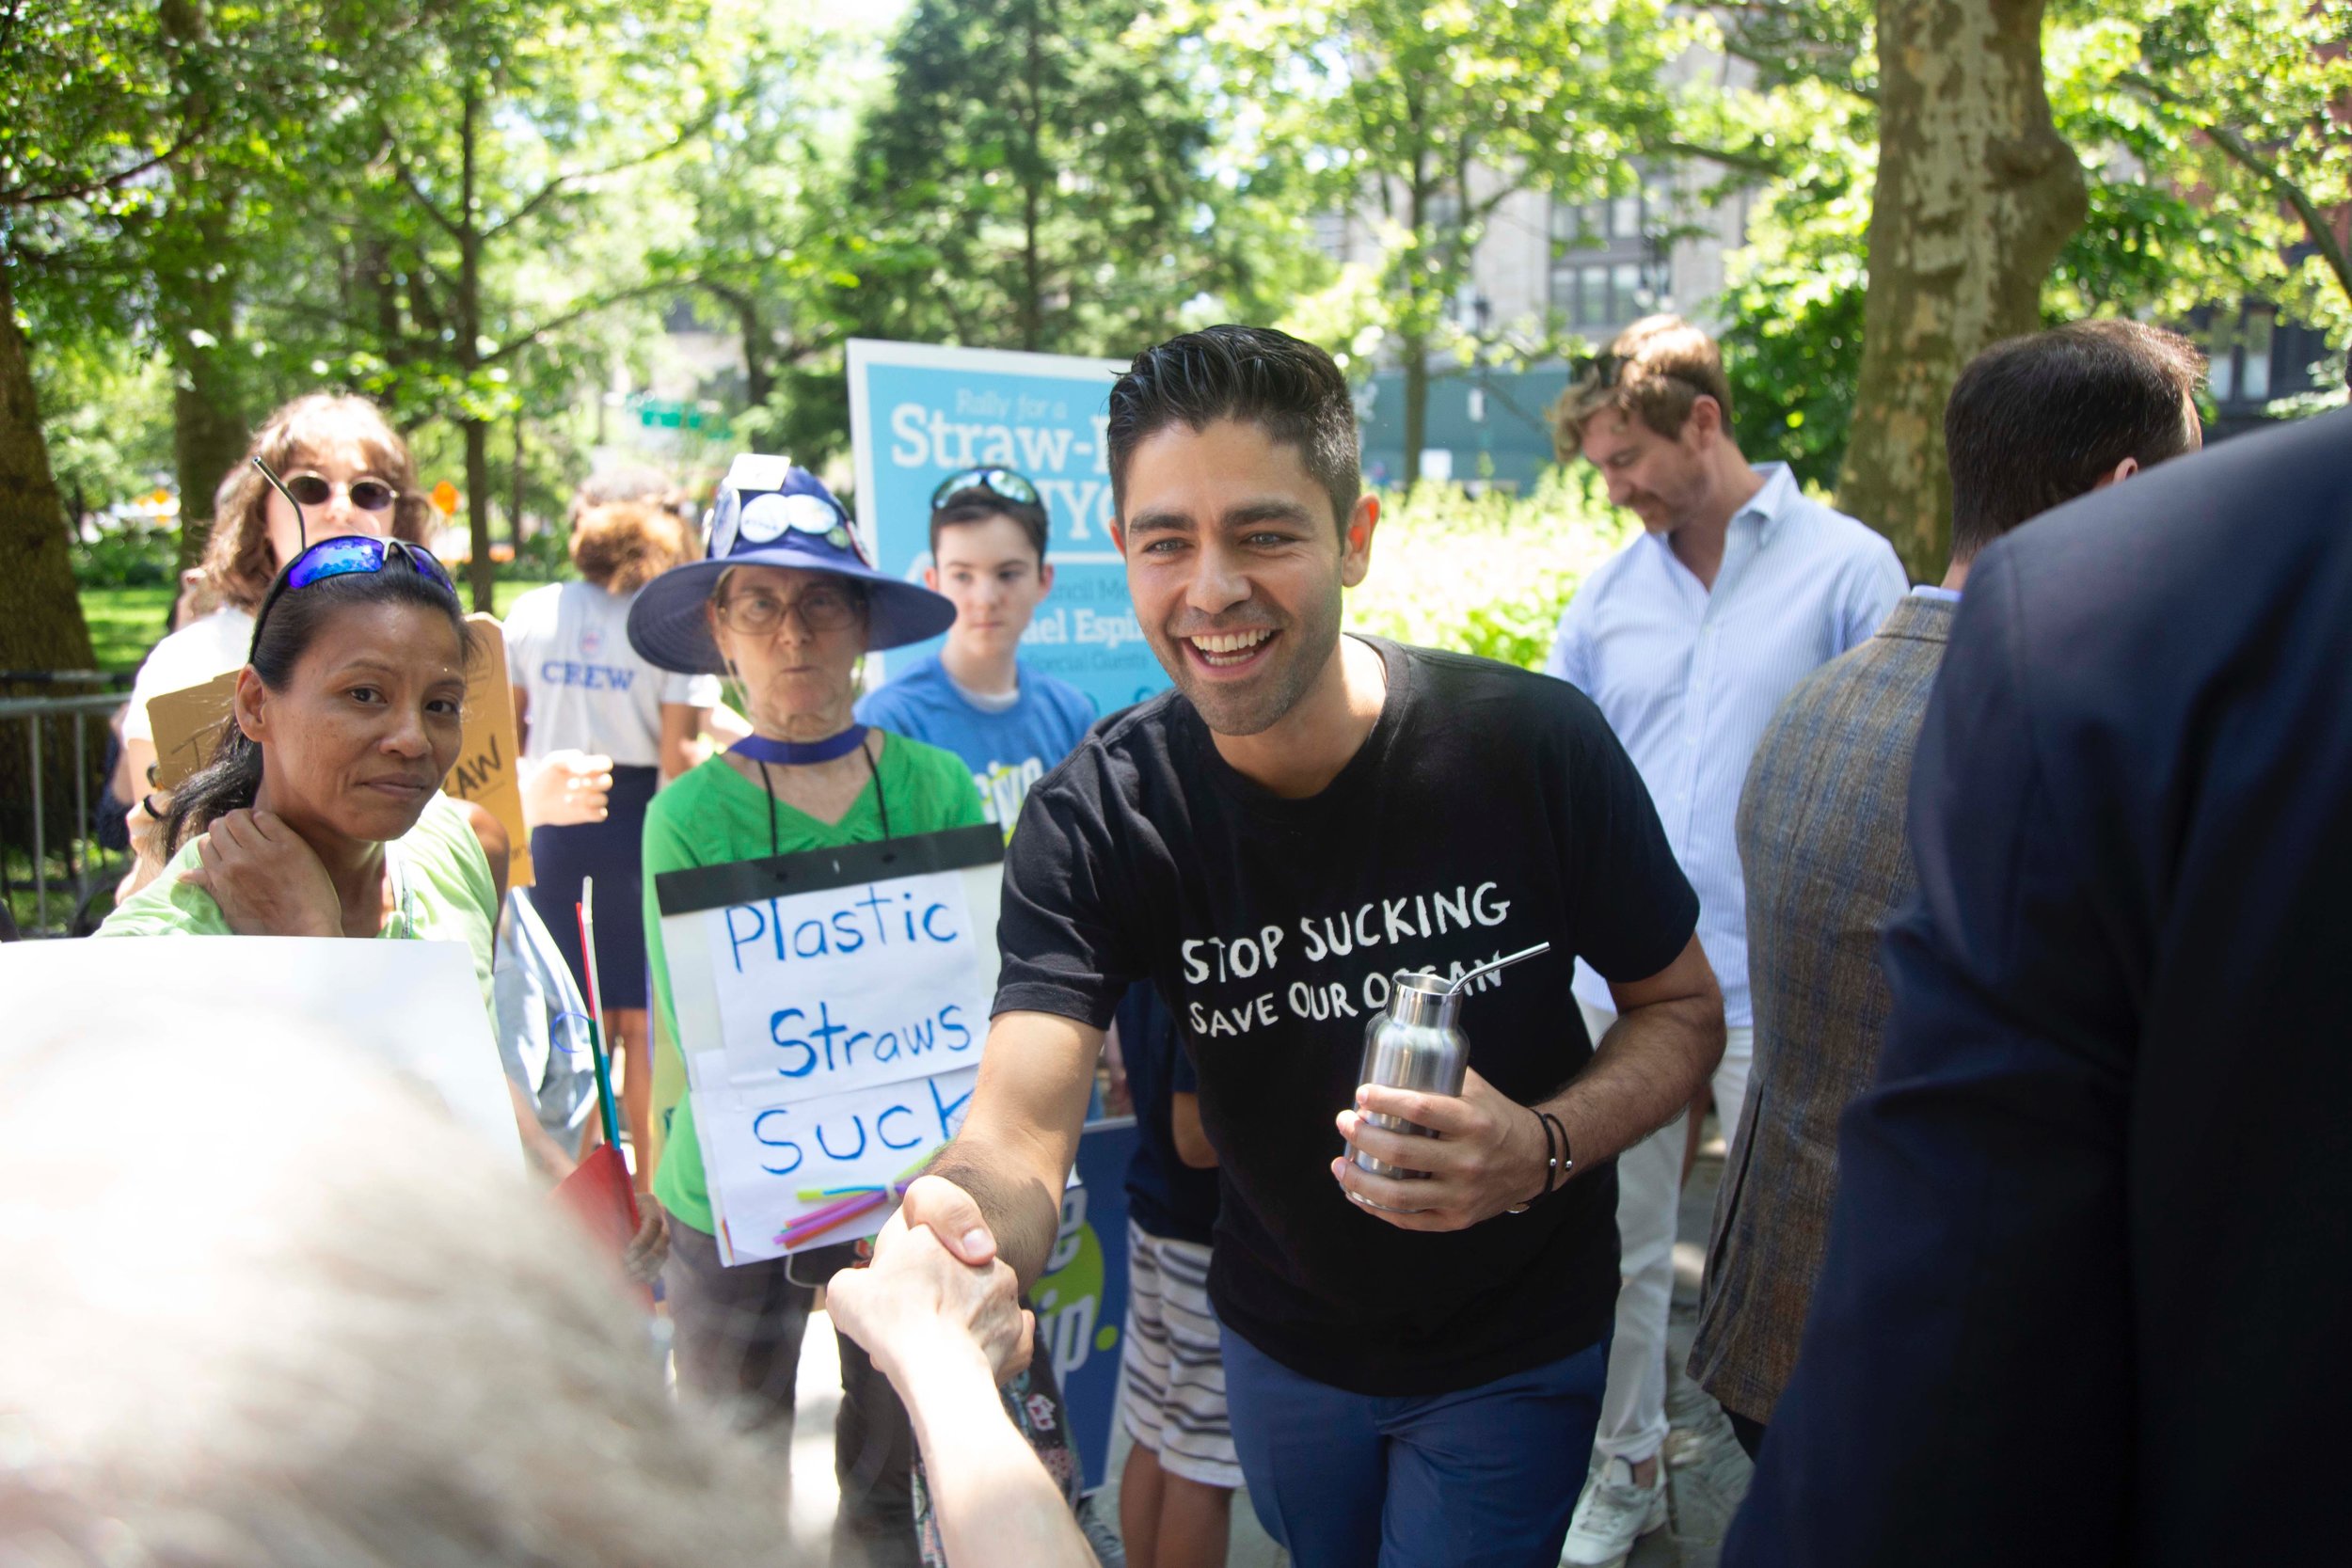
(1010, 723)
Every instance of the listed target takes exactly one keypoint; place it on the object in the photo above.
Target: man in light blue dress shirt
(1687, 639)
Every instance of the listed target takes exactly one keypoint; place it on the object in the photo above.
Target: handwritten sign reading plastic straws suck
(833, 1006)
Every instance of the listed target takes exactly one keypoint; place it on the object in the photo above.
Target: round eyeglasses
(312, 488)
(822, 607)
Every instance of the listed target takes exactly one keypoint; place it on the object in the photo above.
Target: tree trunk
(1416, 405)
(1414, 335)
(198, 304)
(482, 574)
(515, 492)
(41, 613)
(1975, 194)
(196, 277)
(760, 376)
(481, 571)
(1032, 176)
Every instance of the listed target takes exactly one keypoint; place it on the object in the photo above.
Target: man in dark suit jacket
(2031, 422)
(2085, 1295)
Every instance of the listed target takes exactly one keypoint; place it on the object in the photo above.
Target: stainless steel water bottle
(1415, 1042)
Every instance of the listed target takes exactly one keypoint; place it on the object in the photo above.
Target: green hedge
(1485, 575)
(129, 557)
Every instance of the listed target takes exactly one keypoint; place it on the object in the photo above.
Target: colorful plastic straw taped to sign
(851, 1203)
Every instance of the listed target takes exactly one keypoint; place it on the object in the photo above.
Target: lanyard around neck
(882, 802)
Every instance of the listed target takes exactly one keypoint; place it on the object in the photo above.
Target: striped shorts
(1173, 1370)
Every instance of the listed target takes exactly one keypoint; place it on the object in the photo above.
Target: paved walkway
(1706, 1474)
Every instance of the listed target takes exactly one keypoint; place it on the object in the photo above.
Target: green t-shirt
(442, 879)
(713, 816)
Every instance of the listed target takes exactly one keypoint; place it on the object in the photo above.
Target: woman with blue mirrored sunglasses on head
(320, 812)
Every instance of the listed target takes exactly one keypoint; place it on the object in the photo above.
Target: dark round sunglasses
(316, 489)
(1001, 482)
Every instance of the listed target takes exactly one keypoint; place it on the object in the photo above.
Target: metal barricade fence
(60, 905)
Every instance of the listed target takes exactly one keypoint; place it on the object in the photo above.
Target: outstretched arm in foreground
(937, 1327)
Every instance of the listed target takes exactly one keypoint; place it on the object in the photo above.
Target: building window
(1608, 265)
(1607, 294)
(2255, 354)
(2240, 359)
(1625, 286)
(1592, 307)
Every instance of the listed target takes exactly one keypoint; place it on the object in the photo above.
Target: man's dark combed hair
(2035, 422)
(1289, 388)
(977, 505)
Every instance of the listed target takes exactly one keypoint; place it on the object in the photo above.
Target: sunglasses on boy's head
(1001, 482)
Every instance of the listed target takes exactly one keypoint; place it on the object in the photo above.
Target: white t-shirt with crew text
(568, 647)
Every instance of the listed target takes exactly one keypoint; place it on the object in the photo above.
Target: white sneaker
(1614, 1514)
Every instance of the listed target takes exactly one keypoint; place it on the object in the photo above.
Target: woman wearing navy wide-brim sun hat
(787, 603)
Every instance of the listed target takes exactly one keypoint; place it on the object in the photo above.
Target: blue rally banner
(918, 413)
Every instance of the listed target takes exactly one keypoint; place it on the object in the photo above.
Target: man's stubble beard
(1304, 648)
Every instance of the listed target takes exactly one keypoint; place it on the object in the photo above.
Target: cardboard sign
(830, 1008)
(415, 1004)
(188, 725)
(919, 413)
(487, 758)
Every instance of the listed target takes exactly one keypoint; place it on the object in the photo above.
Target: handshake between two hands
(936, 1286)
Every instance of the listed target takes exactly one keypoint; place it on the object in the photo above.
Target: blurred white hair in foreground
(267, 1305)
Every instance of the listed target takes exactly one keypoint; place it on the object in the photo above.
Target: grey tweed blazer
(1823, 851)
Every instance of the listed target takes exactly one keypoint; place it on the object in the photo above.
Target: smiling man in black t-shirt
(1302, 817)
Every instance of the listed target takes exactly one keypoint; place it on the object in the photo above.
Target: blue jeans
(1485, 1478)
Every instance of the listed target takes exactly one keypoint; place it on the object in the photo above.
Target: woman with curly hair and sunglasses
(351, 472)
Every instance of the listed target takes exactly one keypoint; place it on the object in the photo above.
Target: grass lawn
(124, 622)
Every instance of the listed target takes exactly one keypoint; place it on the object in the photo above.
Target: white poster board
(414, 1005)
(831, 1009)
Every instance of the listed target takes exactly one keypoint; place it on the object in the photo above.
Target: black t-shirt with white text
(1488, 809)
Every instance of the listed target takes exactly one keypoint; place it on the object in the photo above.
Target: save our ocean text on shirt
(1315, 940)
